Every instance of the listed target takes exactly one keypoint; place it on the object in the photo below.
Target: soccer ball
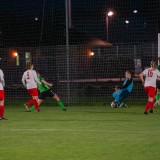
(113, 105)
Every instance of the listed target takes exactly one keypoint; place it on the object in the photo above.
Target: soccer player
(151, 74)
(30, 81)
(46, 91)
(122, 92)
(2, 95)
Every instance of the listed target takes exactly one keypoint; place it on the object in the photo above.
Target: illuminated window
(16, 55)
(28, 56)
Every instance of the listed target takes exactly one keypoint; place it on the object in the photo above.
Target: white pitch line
(73, 130)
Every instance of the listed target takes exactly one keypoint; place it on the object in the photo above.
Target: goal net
(83, 47)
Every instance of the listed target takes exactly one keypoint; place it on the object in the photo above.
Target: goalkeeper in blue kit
(122, 92)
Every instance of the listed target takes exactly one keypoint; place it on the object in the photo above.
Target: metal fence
(93, 70)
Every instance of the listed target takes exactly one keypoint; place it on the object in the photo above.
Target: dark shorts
(158, 84)
(48, 93)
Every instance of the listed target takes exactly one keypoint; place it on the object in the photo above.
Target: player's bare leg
(2, 103)
(40, 101)
(56, 97)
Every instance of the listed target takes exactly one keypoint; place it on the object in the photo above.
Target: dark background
(18, 26)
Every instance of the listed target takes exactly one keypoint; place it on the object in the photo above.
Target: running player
(122, 92)
(151, 74)
(46, 91)
(2, 96)
(30, 81)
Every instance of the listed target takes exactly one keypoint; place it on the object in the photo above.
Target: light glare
(135, 11)
(110, 13)
(127, 21)
(92, 53)
(15, 54)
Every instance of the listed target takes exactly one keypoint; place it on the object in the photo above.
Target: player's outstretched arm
(49, 84)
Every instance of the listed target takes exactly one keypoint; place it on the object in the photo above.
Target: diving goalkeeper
(122, 92)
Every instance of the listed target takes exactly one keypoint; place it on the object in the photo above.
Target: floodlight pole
(108, 14)
(68, 10)
(69, 14)
(107, 20)
(42, 24)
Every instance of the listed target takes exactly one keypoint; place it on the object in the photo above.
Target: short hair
(130, 72)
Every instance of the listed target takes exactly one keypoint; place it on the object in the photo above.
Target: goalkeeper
(46, 91)
(122, 92)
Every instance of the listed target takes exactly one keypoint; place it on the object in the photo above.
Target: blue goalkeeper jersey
(128, 84)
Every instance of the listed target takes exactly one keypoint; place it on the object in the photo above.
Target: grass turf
(81, 133)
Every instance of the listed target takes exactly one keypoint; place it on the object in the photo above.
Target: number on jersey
(28, 75)
(150, 73)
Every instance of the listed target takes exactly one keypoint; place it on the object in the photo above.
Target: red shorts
(150, 91)
(33, 92)
(2, 96)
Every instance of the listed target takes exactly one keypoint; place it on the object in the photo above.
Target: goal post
(158, 44)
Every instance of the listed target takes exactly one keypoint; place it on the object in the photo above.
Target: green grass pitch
(81, 133)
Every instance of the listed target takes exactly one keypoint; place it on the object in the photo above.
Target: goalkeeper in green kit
(46, 91)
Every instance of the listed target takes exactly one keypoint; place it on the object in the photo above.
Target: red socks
(1, 111)
(149, 105)
(30, 102)
(33, 102)
(152, 105)
(36, 105)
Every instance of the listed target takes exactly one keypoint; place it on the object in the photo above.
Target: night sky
(21, 21)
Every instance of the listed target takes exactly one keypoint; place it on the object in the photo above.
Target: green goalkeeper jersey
(43, 87)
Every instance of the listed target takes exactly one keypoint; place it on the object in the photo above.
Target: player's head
(129, 74)
(154, 64)
(29, 65)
